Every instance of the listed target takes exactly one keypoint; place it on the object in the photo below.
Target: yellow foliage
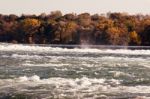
(31, 22)
(71, 26)
(105, 23)
(134, 37)
(30, 25)
(146, 22)
(113, 32)
(52, 22)
(113, 35)
(69, 30)
(117, 35)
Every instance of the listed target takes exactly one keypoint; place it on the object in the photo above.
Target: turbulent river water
(43, 72)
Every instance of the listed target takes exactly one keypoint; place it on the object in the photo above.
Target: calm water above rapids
(43, 72)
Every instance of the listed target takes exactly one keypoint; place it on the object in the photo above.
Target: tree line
(55, 28)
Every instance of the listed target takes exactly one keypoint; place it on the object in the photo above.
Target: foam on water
(27, 56)
(86, 61)
(79, 73)
(65, 86)
(44, 65)
(118, 74)
(16, 47)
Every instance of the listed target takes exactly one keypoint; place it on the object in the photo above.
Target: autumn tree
(55, 15)
(55, 28)
(70, 33)
(101, 27)
(29, 28)
(134, 38)
(70, 17)
(84, 19)
(117, 36)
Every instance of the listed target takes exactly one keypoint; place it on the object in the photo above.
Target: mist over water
(44, 72)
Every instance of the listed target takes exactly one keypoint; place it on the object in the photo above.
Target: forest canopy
(55, 28)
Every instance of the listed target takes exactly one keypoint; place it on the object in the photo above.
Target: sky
(74, 6)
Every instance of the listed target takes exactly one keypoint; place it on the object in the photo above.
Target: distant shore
(116, 29)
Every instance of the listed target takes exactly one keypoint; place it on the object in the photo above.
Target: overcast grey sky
(76, 6)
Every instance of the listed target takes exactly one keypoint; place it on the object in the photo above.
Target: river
(44, 72)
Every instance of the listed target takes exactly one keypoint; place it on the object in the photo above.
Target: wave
(44, 65)
(56, 57)
(80, 87)
(48, 60)
(76, 84)
(36, 48)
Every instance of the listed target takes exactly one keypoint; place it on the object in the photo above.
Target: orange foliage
(134, 38)
(113, 35)
(30, 26)
(112, 29)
